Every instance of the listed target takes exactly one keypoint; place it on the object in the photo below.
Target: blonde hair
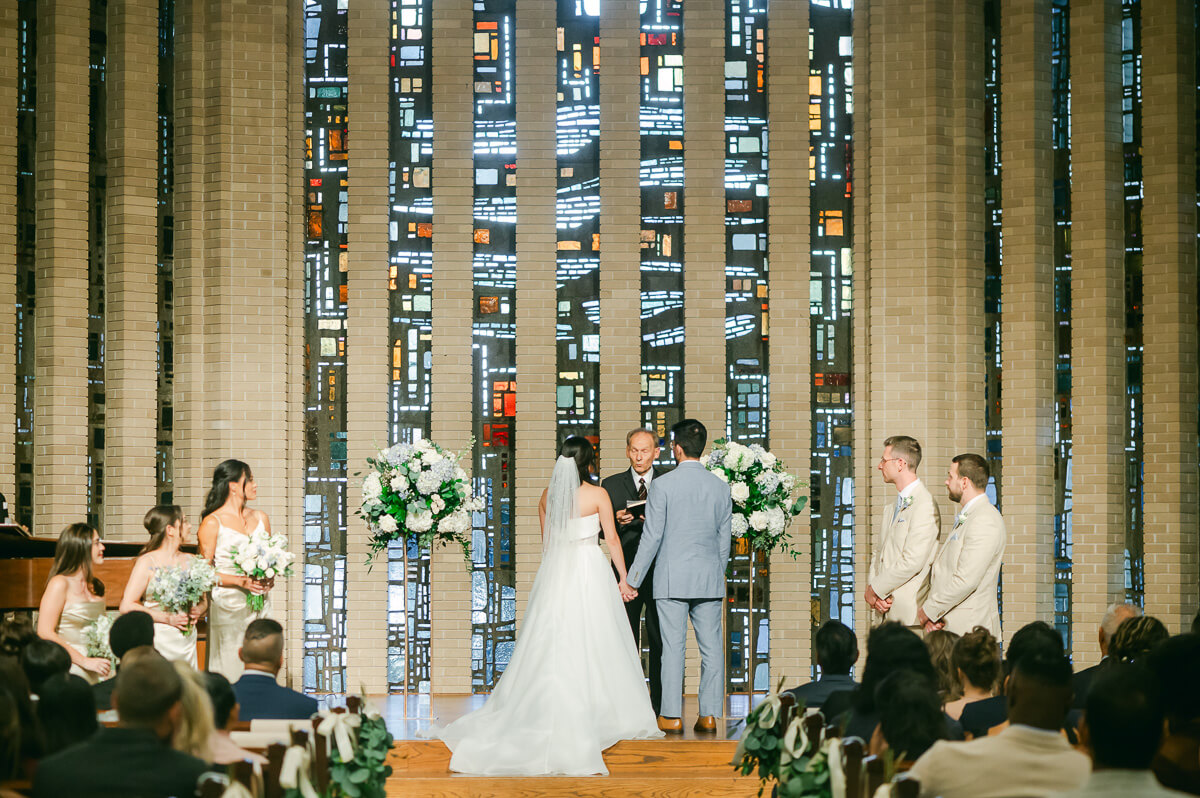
(196, 719)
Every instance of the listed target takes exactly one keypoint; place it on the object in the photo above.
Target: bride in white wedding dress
(574, 684)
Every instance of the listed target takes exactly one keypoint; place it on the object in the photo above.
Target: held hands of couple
(628, 594)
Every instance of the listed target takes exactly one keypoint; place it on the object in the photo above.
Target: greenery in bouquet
(178, 588)
(263, 557)
(418, 490)
(364, 773)
(95, 636)
(777, 745)
(765, 494)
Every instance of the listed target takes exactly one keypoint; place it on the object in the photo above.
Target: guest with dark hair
(837, 651)
(257, 692)
(1034, 638)
(225, 716)
(11, 764)
(1121, 730)
(941, 648)
(910, 717)
(66, 711)
(15, 687)
(134, 758)
(1178, 762)
(1136, 638)
(129, 631)
(42, 659)
(16, 632)
(1030, 757)
(976, 661)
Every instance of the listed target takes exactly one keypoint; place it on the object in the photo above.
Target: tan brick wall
(790, 431)
(367, 346)
(131, 273)
(60, 324)
(1097, 321)
(453, 191)
(8, 250)
(1028, 324)
(1170, 333)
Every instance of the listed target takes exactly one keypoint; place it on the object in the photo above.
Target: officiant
(627, 490)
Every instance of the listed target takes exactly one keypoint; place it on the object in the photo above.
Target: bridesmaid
(168, 531)
(225, 523)
(74, 599)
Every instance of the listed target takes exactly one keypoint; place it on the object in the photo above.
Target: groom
(686, 536)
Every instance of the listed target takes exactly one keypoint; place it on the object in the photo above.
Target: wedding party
(522, 398)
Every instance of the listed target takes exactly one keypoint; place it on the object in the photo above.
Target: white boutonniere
(959, 520)
(905, 502)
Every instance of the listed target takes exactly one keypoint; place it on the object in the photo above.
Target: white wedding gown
(574, 685)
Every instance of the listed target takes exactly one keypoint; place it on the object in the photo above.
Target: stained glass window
(410, 292)
(1131, 104)
(661, 177)
(1060, 83)
(746, 314)
(831, 487)
(493, 578)
(164, 470)
(22, 504)
(97, 177)
(577, 218)
(325, 176)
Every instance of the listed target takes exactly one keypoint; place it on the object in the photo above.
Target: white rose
(769, 459)
(759, 520)
(399, 484)
(388, 524)
(740, 491)
(722, 476)
(372, 488)
(437, 504)
(270, 573)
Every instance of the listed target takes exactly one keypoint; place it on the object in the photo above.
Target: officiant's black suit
(622, 490)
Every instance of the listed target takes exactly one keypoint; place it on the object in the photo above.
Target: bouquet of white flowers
(264, 556)
(178, 588)
(418, 490)
(95, 635)
(763, 493)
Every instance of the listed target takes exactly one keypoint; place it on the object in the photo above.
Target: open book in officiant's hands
(636, 508)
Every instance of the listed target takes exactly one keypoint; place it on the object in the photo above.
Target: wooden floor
(688, 766)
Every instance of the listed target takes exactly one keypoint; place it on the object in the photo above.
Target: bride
(574, 684)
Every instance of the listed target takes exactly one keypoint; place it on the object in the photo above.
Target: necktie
(899, 506)
(641, 488)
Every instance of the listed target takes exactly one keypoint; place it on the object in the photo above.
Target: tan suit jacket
(1020, 761)
(966, 572)
(902, 554)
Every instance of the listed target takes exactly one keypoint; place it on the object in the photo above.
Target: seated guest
(10, 744)
(1029, 758)
(1178, 762)
(976, 661)
(66, 711)
(15, 633)
(134, 758)
(1122, 727)
(837, 651)
(225, 716)
(910, 717)
(259, 696)
(941, 649)
(14, 685)
(42, 659)
(1034, 638)
(1112, 620)
(129, 631)
(1136, 638)
(195, 727)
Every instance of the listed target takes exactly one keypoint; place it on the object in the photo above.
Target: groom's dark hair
(691, 436)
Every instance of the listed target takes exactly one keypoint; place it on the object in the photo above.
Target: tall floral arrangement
(418, 490)
(264, 556)
(765, 494)
(178, 588)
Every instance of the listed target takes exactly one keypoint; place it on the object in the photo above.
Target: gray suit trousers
(706, 620)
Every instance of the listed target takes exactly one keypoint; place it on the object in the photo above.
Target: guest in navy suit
(258, 694)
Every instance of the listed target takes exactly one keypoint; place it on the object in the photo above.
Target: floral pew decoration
(345, 757)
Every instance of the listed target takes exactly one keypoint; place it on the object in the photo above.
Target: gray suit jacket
(686, 535)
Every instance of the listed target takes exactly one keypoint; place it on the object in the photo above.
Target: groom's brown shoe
(670, 725)
(705, 724)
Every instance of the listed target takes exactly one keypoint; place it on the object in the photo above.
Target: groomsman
(625, 488)
(908, 536)
(965, 573)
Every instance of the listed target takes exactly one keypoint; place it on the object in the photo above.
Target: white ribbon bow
(236, 790)
(294, 775)
(339, 725)
(837, 767)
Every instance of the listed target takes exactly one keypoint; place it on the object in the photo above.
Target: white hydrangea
(420, 521)
(776, 520)
(459, 473)
(759, 520)
(738, 525)
(388, 524)
(788, 481)
(372, 488)
(456, 522)
(431, 456)
(427, 483)
(399, 484)
(740, 492)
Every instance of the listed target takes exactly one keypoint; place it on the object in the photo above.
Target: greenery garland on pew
(362, 774)
(787, 750)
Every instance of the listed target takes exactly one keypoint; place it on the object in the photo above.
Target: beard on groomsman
(626, 488)
(908, 536)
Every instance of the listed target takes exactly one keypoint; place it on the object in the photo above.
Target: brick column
(1170, 333)
(789, 354)
(453, 194)
(131, 381)
(367, 350)
(1097, 319)
(536, 309)
(60, 325)
(8, 251)
(1028, 326)
(620, 226)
